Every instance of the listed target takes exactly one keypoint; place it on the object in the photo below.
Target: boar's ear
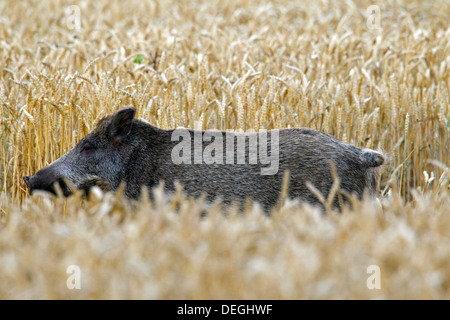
(121, 123)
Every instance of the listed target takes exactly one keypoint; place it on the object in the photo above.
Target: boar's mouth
(39, 182)
(87, 184)
(34, 183)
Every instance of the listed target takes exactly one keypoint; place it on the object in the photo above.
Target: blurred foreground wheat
(146, 250)
(227, 65)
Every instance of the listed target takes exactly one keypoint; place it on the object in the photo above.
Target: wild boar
(232, 166)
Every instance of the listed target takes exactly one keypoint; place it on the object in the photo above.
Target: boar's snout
(44, 180)
(27, 180)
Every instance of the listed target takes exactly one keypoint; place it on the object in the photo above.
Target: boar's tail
(372, 158)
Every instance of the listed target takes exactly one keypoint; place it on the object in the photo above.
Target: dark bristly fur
(122, 148)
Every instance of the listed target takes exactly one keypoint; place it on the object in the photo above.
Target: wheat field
(376, 79)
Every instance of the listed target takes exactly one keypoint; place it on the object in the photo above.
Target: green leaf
(139, 59)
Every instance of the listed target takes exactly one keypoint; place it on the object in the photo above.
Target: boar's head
(99, 156)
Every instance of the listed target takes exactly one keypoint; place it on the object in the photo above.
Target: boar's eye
(87, 148)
